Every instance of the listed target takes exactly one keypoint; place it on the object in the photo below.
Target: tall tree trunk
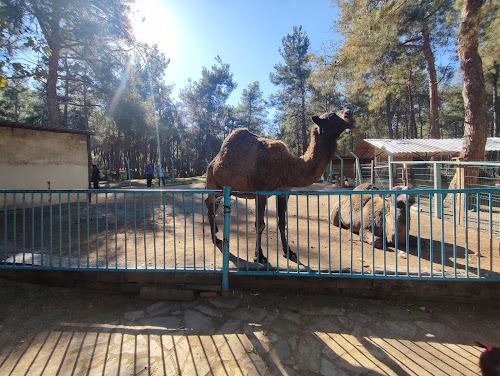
(411, 121)
(496, 104)
(474, 94)
(54, 42)
(433, 84)
(389, 114)
(66, 93)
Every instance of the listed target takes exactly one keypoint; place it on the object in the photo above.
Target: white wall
(31, 158)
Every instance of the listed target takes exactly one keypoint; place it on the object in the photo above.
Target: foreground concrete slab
(49, 330)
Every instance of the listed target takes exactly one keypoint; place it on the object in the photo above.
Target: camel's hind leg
(282, 210)
(260, 225)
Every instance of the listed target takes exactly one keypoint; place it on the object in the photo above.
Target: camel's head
(333, 124)
(403, 197)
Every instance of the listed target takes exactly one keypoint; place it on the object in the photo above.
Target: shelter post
(341, 171)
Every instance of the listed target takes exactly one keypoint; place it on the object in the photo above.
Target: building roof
(17, 125)
(425, 148)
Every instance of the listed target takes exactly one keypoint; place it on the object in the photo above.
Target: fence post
(359, 176)
(438, 197)
(225, 240)
(372, 171)
(341, 171)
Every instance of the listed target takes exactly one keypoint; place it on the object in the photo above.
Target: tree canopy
(76, 64)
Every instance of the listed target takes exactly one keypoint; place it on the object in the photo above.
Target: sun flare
(154, 23)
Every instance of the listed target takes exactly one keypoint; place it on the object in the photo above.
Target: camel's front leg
(282, 209)
(260, 225)
(368, 237)
(212, 204)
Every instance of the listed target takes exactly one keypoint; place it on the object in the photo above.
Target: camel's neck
(308, 168)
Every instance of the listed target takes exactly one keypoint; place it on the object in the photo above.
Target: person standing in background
(160, 172)
(149, 174)
(96, 176)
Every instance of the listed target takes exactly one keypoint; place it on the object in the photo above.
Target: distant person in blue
(149, 174)
(160, 173)
(96, 176)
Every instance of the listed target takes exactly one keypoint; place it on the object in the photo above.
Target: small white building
(38, 158)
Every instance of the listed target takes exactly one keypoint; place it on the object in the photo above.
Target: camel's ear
(316, 119)
(317, 129)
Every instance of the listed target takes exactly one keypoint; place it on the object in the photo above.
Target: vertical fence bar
(465, 210)
(144, 232)
(135, 230)
(59, 208)
(339, 201)
(319, 226)
(277, 230)
(78, 224)
(267, 232)
(225, 240)
(329, 235)
(296, 232)
(125, 228)
(490, 205)
(478, 229)
(24, 227)
(184, 214)
(246, 229)
(174, 236)
(41, 227)
(69, 230)
(419, 245)
(164, 203)
(431, 237)
(14, 225)
(308, 235)
(236, 203)
(454, 235)
(116, 228)
(193, 231)
(5, 226)
(153, 221)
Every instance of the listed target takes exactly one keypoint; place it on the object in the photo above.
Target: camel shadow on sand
(245, 265)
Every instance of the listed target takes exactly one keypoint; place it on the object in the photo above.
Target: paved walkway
(50, 331)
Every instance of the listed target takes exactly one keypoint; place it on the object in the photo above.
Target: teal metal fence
(106, 230)
(375, 234)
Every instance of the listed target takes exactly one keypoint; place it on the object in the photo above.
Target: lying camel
(371, 209)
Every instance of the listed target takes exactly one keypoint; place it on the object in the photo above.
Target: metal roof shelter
(423, 148)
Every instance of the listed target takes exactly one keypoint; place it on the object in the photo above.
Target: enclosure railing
(405, 240)
(125, 229)
(443, 174)
(167, 230)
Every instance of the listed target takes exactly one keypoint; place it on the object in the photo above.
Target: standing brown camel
(249, 163)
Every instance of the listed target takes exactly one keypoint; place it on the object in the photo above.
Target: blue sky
(246, 34)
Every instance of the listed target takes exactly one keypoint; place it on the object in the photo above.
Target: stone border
(157, 285)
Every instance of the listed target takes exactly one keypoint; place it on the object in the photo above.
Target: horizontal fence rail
(335, 233)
